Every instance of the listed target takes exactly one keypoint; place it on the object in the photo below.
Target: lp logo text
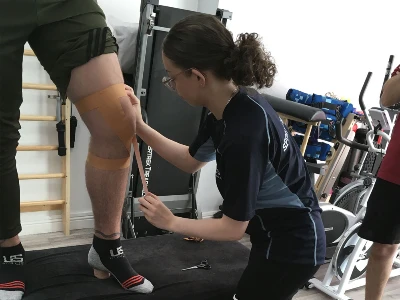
(120, 252)
(14, 259)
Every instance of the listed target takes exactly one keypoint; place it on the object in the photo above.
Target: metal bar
(37, 148)
(44, 205)
(40, 176)
(328, 290)
(28, 52)
(140, 62)
(37, 118)
(165, 29)
(36, 86)
(142, 49)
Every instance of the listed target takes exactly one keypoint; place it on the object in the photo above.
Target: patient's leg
(111, 121)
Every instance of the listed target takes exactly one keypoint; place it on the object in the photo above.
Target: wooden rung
(28, 52)
(37, 118)
(36, 86)
(37, 148)
(40, 176)
(45, 205)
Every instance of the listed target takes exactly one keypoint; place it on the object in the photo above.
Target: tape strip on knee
(107, 102)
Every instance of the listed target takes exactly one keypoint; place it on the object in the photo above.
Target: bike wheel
(344, 250)
(351, 199)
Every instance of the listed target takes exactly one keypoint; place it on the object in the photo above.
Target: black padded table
(63, 273)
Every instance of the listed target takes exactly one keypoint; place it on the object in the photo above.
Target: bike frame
(359, 251)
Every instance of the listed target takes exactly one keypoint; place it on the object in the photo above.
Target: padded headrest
(290, 108)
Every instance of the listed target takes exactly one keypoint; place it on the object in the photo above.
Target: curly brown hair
(201, 41)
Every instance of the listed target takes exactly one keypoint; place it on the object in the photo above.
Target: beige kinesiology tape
(107, 103)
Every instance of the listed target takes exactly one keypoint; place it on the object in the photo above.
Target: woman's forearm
(173, 152)
(209, 229)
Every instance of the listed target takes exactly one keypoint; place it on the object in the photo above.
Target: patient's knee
(109, 116)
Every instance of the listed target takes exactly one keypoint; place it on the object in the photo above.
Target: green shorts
(64, 34)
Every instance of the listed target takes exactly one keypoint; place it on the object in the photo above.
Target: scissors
(203, 265)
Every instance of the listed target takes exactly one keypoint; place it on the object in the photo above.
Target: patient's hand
(156, 212)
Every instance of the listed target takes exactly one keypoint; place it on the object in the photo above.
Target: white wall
(38, 133)
(208, 6)
(125, 10)
(184, 4)
(323, 46)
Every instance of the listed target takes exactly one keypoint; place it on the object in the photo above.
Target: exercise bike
(343, 213)
(350, 258)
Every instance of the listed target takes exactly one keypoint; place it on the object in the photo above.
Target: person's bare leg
(106, 187)
(10, 242)
(379, 267)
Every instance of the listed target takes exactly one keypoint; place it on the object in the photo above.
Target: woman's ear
(200, 77)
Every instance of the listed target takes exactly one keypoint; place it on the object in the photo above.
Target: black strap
(60, 126)
(89, 45)
(331, 127)
(73, 124)
(96, 42)
(192, 193)
(335, 107)
(327, 105)
(377, 127)
(62, 150)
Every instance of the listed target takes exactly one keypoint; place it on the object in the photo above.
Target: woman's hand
(156, 212)
(136, 105)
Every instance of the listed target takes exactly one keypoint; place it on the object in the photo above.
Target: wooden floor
(82, 237)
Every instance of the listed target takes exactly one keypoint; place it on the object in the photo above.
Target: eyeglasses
(169, 82)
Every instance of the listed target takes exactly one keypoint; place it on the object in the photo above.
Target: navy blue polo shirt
(262, 178)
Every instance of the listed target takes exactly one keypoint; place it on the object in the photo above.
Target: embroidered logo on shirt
(218, 174)
(286, 139)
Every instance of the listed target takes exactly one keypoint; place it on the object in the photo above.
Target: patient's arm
(175, 153)
(391, 92)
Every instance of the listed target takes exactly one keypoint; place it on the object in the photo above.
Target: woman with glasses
(261, 174)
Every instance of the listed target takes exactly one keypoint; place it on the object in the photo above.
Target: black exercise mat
(63, 273)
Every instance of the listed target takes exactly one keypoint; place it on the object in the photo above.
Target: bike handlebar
(370, 147)
(370, 135)
(347, 142)
(361, 96)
